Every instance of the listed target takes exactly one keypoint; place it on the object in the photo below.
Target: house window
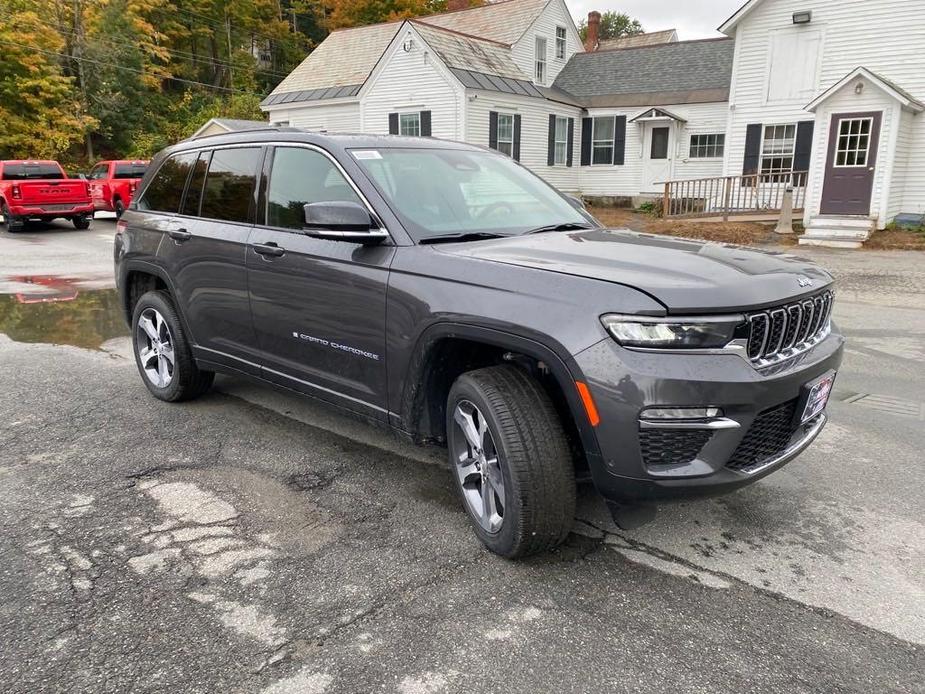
(602, 131)
(853, 142)
(560, 43)
(540, 60)
(561, 140)
(707, 146)
(409, 124)
(777, 149)
(506, 134)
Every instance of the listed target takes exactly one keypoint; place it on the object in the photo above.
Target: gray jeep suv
(445, 291)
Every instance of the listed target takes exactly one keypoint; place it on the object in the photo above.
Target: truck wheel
(12, 224)
(82, 222)
(162, 352)
(510, 461)
(118, 207)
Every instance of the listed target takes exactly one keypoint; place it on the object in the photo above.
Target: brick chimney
(594, 25)
(454, 5)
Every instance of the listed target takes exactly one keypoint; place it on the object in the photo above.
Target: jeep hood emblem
(804, 281)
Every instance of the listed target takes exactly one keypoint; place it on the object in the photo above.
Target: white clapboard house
(822, 94)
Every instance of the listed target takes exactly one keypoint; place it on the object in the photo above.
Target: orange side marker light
(588, 402)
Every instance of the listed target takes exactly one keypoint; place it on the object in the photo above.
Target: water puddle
(55, 310)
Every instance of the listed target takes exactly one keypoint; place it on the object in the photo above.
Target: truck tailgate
(51, 192)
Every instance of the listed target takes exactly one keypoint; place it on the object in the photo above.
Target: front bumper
(697, 460)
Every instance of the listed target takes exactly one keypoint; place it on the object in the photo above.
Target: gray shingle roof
(680, 72)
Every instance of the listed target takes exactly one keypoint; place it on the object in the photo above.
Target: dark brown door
(851, 163)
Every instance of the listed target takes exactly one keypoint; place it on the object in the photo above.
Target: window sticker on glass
(366, 154)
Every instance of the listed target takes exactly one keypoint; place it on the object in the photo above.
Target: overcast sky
(694, 19)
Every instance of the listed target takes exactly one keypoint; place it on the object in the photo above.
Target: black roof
(668, 73)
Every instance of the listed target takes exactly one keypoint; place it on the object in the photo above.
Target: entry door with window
(851, 163)
(318, 305)
(657, 156)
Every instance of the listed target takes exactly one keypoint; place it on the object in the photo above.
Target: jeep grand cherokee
(447, 292)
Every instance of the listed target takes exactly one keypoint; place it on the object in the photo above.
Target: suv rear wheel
(162, 352)
(510, 460)
(82, 221)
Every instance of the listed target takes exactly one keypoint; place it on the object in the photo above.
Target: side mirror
(341, 221)
(82, 177)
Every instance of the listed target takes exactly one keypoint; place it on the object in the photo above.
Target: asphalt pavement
(255, 541)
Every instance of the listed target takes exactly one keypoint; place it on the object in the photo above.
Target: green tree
(613, 26)
(39, 113)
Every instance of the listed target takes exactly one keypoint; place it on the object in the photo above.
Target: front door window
(853, 144)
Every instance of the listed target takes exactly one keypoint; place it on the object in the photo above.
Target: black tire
(82, 222)
(118, 208)
(534, 456)
(12, 224)
(187, 380)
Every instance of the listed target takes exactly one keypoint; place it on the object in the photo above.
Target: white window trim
(866, 151)
(594, 120)
(540, 65)
(763, 155)
(690, 146)
(402, 114)
(563, 142)
(561, 41)
(511, 141)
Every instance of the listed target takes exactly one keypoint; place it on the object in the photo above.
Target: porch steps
(837, 231)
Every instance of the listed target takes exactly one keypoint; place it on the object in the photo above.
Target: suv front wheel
(162, 352)
(510, 460)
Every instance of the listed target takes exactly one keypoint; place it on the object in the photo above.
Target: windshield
(440, 192)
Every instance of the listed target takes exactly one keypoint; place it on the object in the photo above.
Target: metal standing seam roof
(679, 72)
(651, 38)
(477, 38)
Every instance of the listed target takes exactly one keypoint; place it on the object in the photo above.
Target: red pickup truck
(113, 183)
(41, 190)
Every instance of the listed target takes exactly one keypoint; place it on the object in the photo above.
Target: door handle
(179, 235)
(269, 249)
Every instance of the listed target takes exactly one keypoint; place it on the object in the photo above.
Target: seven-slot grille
(787, 330)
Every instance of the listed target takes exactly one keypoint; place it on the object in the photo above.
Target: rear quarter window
(164, 192)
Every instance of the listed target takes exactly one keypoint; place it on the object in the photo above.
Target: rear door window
(165, 191)
(194, 190)
(301, 176)
(228, 194)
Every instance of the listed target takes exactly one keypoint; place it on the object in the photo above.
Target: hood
(686, 276)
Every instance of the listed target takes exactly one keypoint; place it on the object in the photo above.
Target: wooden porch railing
(727, 196)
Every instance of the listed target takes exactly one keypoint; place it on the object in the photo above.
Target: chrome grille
(785, 331)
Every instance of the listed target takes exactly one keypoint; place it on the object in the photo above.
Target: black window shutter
(752, 149)
(586, 141)
(393, 124)
(516, 138)
(619, 140)
(804, 145)
(571, 135)
(425, 123)
(493, 129)
(551, 142)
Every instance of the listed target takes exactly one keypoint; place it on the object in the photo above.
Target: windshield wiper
(562, 226)
(468, 236)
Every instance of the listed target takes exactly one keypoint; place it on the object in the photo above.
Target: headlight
(673, 333)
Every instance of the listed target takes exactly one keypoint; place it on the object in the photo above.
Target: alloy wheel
(154, 344)
(477, 465)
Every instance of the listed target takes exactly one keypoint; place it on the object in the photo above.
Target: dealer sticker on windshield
(817, 396)
(366, 154)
